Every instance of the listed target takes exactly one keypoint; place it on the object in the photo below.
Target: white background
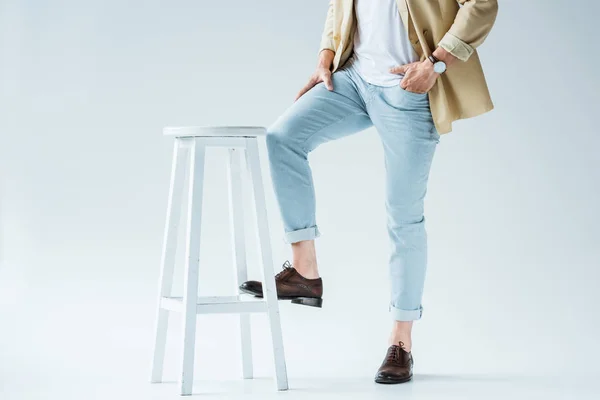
(85, 89)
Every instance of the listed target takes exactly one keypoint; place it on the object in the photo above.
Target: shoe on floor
(397, 367)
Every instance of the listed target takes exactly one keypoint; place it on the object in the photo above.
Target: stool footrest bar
(217, 305)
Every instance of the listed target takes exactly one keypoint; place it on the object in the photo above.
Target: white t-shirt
(380, 42)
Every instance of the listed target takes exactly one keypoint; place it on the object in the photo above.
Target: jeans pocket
(420, 95)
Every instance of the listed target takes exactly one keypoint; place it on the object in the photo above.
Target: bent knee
(279, 138)
(274, 138)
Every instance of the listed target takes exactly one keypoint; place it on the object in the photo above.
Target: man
(409, 68)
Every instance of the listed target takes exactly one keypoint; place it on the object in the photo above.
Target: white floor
(97, 351)
(424, 386)
(81, 344)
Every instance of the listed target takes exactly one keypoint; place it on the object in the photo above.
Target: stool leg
(192, 257)
(266, 256)
(167, 265)
(236, 218)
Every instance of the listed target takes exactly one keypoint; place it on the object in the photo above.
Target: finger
(328, 82)
(305, 89)
(401, 69)
(300, 93)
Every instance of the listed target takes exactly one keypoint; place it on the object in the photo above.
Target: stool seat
(215, 131)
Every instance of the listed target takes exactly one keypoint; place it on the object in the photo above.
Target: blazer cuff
(327, 44)
(456, 47)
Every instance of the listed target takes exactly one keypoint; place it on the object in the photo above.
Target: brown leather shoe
(291, 286)
(397, 366)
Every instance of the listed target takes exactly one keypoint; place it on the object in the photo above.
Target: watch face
(439, 67)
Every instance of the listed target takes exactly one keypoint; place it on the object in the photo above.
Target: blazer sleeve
(327, 42)
(471, 26)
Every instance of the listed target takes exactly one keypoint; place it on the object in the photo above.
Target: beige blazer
(460, 92)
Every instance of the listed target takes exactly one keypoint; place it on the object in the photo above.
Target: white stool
(189, 152)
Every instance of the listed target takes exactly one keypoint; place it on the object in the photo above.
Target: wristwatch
(438, 65)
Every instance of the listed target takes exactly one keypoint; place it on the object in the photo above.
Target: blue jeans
(404, 123)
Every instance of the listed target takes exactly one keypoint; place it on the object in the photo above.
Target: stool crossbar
(190, 148)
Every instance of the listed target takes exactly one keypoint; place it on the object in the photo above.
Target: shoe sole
(391, 381)
(304, 301)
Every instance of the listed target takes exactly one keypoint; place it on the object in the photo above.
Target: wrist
(430, 67)
(325, 59)
(445, 56)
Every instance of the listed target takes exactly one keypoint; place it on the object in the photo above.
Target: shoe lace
(287, 266)
(394, 352)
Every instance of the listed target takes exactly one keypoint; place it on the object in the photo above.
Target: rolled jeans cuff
(406, 315)
(302, 234)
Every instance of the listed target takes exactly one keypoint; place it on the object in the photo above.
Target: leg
(409, 139)
(236, 214)
(266, 258)
(317, 117)
(190, 285)
(174, 204)
(304, 256)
